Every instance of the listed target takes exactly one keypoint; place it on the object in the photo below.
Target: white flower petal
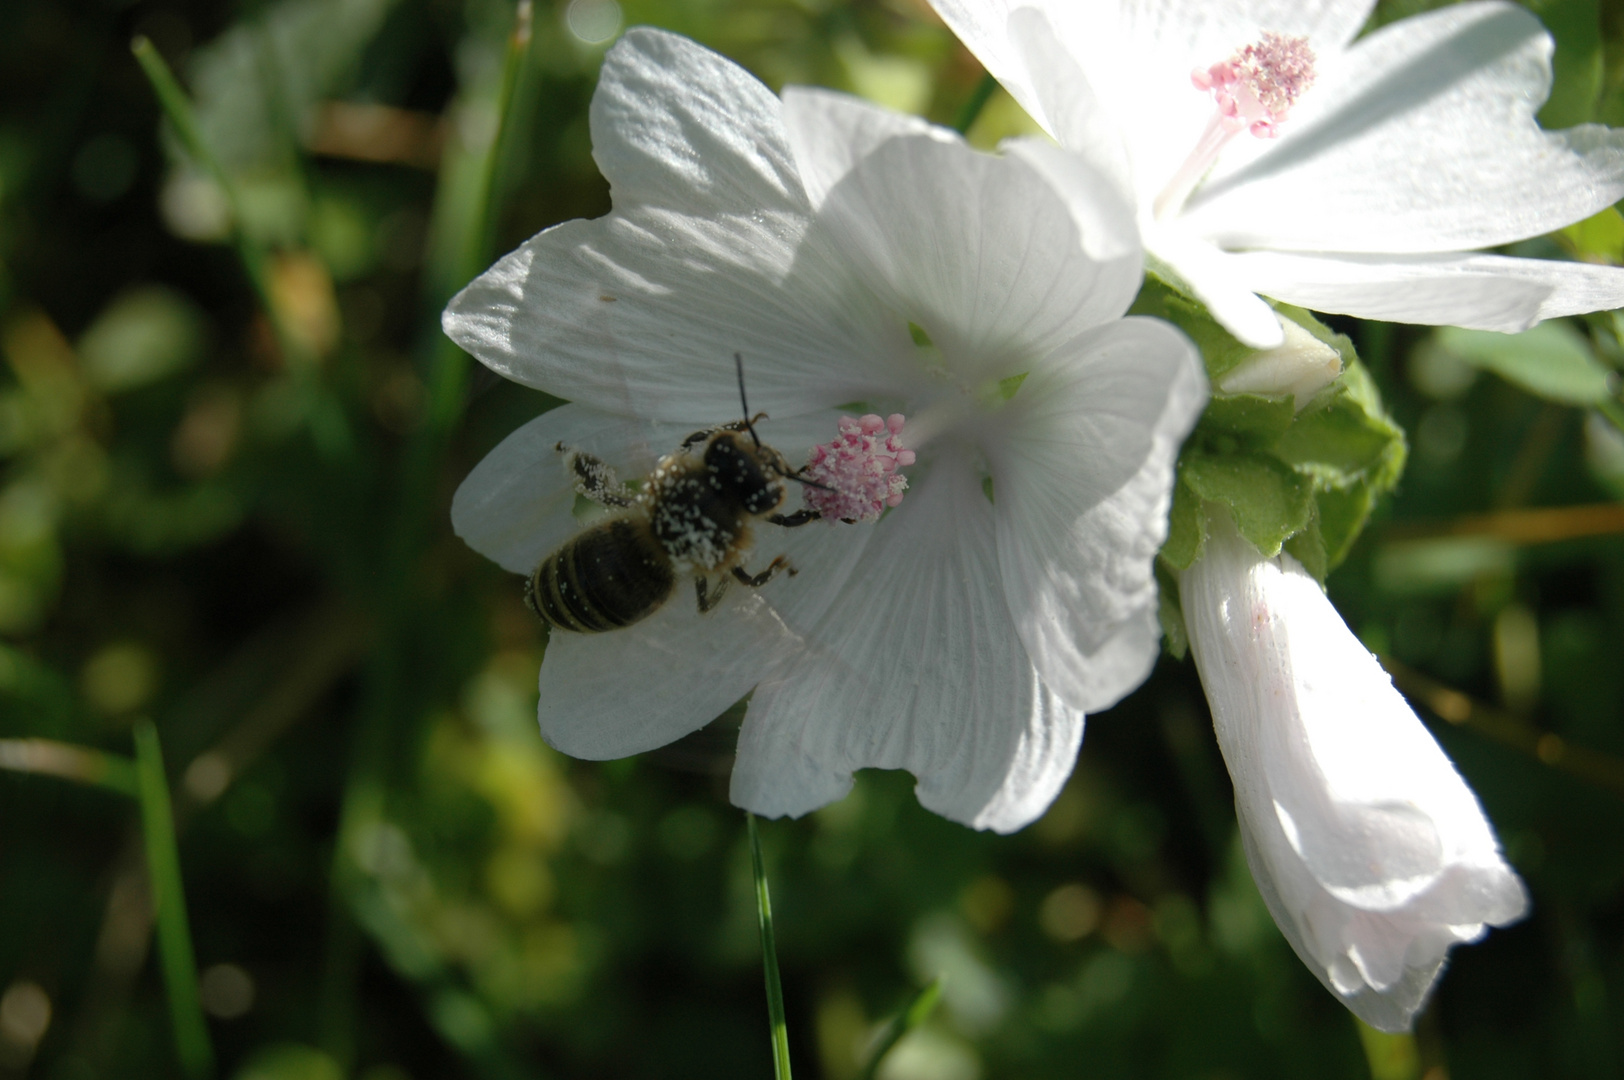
(831, 132)
(1210, 32)
(1100, 204)
(705, 255)
(1207, 273)
(677, 126)
(1371, 851)
(1420, 138)
(1482, 292)
(1082, 477)
(1073, 113)
(916, 666)
(622, 692)
(984, 28)
(979, 250)
(642, 314)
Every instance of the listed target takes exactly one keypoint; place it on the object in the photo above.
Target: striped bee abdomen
(612, 575)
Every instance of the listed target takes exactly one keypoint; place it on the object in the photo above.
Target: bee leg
(709, 598)
(758, 580)
(800, 517)
(594, 477)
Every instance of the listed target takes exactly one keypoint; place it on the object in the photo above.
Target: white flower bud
(1372, 853)
(1302, 366)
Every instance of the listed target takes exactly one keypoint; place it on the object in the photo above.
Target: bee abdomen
(610, 576)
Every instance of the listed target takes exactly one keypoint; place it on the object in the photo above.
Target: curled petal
(1372, 853)
(1082, 480)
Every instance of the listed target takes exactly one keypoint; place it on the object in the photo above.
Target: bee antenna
(738, 362)
(799, 479)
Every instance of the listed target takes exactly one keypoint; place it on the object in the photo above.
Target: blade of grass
(177, 109)
(464, 227)
(169, 901)
(66, 761)
(975, 103)
(917, 1012)
(769, 956)
(328, 426)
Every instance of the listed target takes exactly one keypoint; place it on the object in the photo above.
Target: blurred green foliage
(232, 521)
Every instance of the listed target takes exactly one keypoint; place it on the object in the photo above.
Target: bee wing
(517, 505)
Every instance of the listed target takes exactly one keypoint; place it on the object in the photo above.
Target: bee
(694, 517)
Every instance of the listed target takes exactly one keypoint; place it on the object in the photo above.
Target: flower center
(1254, 90)
(858, 469)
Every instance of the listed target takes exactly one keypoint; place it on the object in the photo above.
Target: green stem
(977, 101)
(914, 1014)
(169, 902)
(66, 761)
(769, 956)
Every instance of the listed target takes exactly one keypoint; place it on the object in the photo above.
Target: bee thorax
(695, 527)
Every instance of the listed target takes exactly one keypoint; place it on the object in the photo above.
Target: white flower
(1269, 152)
(963, 635)
(1370, 850)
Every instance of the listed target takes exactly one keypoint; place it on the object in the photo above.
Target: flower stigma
(858, 469)
(1254, 91)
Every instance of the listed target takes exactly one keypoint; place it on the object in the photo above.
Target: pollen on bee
(858, 470)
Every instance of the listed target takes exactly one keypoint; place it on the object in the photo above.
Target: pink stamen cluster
(1257, 87)
(858, 469)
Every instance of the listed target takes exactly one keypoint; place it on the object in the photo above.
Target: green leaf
(1553, 361)
(1579, 64)
(1598, 238)
(1251, 419)
(1186, 528)
(1219, 349)
(290, 1061)
(1269, 500)
(1339, 441)
(1341, 516)
(148, 332)
(1308, 548)
(1170, 612)
(258, 82)
(916, 1012)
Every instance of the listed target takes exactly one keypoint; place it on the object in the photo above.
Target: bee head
(752, 474)
(767, 458)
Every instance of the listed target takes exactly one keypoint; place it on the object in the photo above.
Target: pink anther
(1254, 91)
(1257, 86)
(858, 470)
